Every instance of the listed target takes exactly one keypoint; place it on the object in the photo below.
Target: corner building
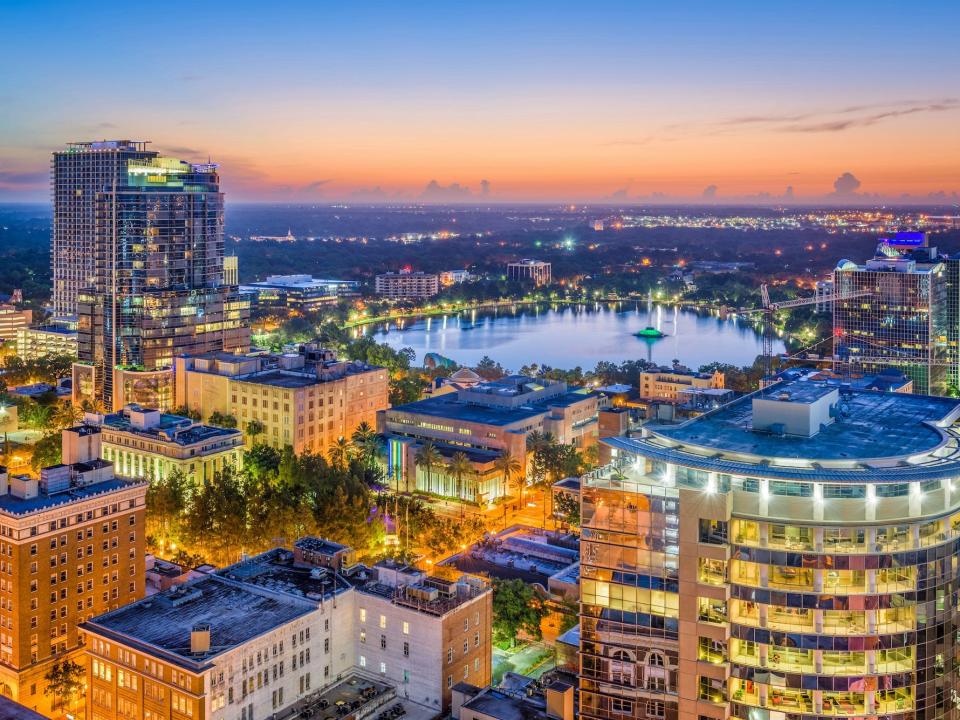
(791, 555)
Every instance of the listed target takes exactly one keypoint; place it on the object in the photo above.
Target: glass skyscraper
(792, 555)
(151, 282)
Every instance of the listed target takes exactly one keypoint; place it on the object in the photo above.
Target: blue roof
(449, 406)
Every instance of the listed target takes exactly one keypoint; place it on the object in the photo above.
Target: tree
(428, 457)
(64, 681)
(67, 415)
(47, 451)
(568, 508)
(405, 389)
(516, 609)
(255, 429)
(459, 466)
(367, 444)
(509, 469)
(340, 453)
(93, 405)
(166, 502)
(184, 411)
(224, 420)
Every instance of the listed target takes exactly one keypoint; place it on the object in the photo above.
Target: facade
(792, 554)
(80, 174)
(231, 270)
(483, 421)
(298, 292)
(253, 639)
(903, 311)
(453, 277)
(73, 547)
(148, 282)
(407, 285)
(12, 321)
(307, 399)
(536, 271)
(666, 385)
(145, 443)
(38, 342)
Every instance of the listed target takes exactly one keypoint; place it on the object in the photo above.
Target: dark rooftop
(234, 612)
(449, 406)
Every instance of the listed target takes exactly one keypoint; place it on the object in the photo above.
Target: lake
(565, 336)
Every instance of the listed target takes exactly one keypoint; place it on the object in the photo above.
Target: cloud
(710, 192)
(620, 195)
(871, 119)
(181, 150)
(374, 194)
(18, 180)
(106, 126)
(435, 192)
(315, 186)
(846, 186)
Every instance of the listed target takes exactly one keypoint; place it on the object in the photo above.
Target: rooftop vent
(200, 639)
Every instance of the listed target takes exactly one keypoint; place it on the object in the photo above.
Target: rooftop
(235, 613)
(12, 505)
(276, 571)
(170, 428)
(870, 430)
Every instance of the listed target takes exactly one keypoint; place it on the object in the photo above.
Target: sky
(544, 101)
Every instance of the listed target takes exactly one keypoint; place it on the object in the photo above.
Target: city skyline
(544, 103)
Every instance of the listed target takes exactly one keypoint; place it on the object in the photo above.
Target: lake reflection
(566, 336)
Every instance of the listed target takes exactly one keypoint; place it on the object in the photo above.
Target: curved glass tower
(790, 555)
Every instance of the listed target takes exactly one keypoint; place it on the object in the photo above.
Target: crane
(769, 308)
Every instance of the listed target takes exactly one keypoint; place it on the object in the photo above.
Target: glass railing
(843, 622)
(843, 704)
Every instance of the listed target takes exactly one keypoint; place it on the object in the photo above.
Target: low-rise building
(484, 421)
(527, 270)
(665, 385)
(307, 399)
(287, 627)
(298, 292)
(453, 277)
(407, 285)
(528, 701)
(12, 320)
(147, 443)
(73, 547)
(39, 342)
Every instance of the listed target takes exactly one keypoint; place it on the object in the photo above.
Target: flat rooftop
(276, 571)
(186, 434)
(163, 622)
(449, 406)
(871, 425)
(12, 505)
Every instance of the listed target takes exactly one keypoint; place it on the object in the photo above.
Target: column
(764, 497)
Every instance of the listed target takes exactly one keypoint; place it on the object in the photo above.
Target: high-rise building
(72, 545)
(150, 284)
(791, 554)
(80, 174)
(900, 309)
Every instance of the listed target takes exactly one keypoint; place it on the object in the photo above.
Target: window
(363, 661)
(383, 642)
(713, 532)
(406, 649)
(406, 628)
(363, 636)
(363, 615)
(383, 621)
(383, 668)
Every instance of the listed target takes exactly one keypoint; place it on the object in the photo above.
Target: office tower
(153, 232)
(792, 554)
(898, 311)
(72, 544)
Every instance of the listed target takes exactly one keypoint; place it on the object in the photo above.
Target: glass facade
(770, 590)
(156, 284)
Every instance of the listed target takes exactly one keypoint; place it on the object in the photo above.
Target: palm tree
(367, 444)
(93, 405)
(428, 457)
(254, 429)
(67, 415)
(459, 466)
(510, 468)
(340, 453)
